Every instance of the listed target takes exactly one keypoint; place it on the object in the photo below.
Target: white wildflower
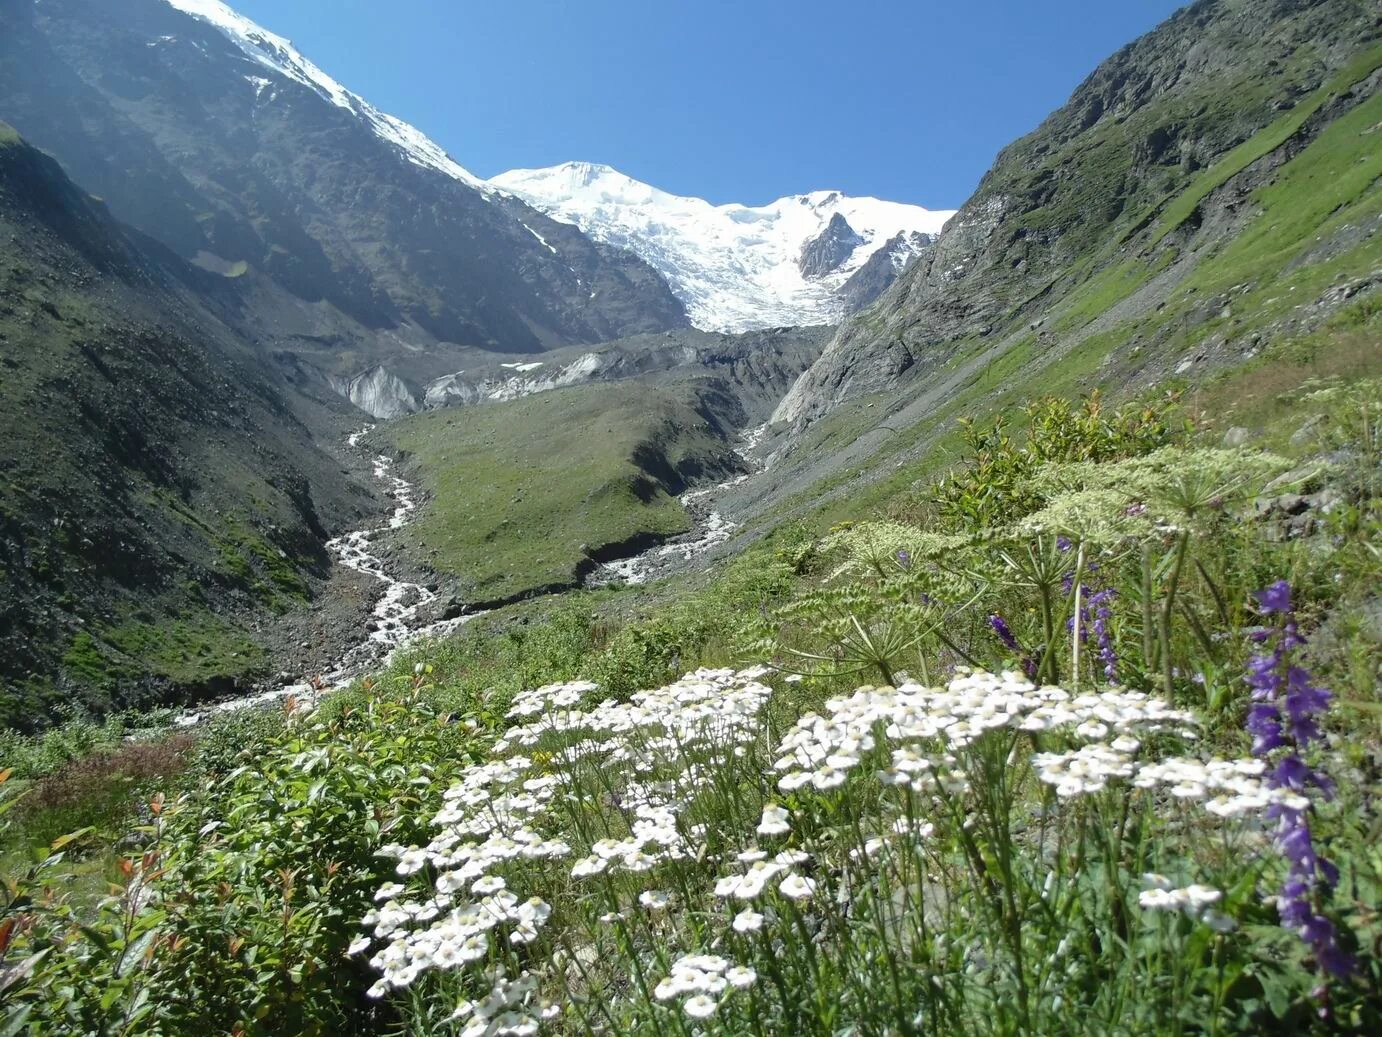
(748, 921)
(774, 820)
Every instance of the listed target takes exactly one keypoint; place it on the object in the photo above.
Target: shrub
(100, 791)
(991, 484)
(237, 915)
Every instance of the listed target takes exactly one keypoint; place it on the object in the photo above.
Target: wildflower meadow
(1080, 739)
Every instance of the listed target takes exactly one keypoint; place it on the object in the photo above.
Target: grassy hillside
(1276, 244)
(526, 494)
(1104, 211)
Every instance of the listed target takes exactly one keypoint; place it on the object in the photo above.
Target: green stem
(1047, 672)
(1148, 642)
(1078, 627)
(1167, 610)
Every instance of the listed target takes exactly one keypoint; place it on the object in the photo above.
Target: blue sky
(730, 100)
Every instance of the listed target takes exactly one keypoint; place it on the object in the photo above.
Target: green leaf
(16, 1020)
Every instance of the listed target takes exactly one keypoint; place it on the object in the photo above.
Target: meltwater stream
(391, 625)
(712, 528)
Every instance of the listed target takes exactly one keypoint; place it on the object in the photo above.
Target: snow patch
(545, 243)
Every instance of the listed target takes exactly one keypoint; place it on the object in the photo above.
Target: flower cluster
(1195, 900)
(506, 1011)
(498, 817)
(703, 980)
(821, 751)
(1284, 721)
(762, 870)
(705, 709)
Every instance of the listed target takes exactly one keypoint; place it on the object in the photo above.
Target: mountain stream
(391, 627)
(711, 529)
(391, 622)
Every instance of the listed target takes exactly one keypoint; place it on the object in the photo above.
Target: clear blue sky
(731, 100)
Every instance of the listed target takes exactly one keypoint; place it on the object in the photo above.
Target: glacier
(734, 267)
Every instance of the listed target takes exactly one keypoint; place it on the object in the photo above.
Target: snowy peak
(279, 55)
(737, 267)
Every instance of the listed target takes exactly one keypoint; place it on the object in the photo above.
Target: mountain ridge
(1067, 206)
(244, 158)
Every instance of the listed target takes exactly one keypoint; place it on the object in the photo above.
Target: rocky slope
(1114, 199)
(756, 367)
(159, 495)
(349, 237)
(797, 261)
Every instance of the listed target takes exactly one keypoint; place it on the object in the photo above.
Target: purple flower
(1284, 716)
(1264, 724)
(1323, 938)
(1292, 773)
(1108, 655)
(1276, 598)
(1063, 543)
(904, 559)
(1004, 632)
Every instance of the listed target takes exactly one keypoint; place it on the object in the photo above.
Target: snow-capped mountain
(217, 138)
(278, 54)
(736, 267)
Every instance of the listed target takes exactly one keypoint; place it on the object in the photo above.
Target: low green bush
(237, 913)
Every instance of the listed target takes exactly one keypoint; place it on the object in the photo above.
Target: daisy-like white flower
(748, 921)
(797, 887)
(700, 1006)
(488, 884)
(592, 865)
(774, 820)
(412, 860)
(358, 944)
(654, 900)
(741, 976)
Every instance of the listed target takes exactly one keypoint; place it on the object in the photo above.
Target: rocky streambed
(395, 620)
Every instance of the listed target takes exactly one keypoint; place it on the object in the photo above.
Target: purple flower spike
(1004, 632)
(1108, 655)
(1285, 716)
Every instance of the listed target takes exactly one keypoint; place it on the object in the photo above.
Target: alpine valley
(229, 254)
(319, 453)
